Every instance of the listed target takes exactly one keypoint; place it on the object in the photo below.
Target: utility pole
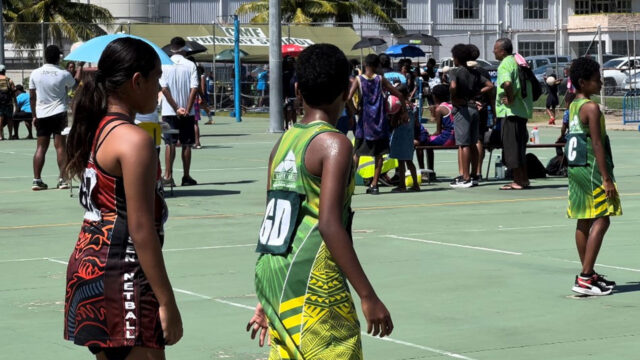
(1, 31)
(275, 68)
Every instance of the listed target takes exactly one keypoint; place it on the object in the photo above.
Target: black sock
(586, 275)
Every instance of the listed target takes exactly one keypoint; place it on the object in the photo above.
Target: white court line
(57, 261)
(400, 342)
(21, 260)
(437, 351)
(214, 299)
(601, 265)
(455, 245)
(209, 247)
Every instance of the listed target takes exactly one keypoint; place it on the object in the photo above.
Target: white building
(537, 27)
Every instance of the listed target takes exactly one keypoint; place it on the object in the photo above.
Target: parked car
(632, 82)
(616, 71)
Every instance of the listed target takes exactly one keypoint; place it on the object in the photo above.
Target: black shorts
(371, 147)
(54, 124)
(186, 131)
(113, 353)
(482, 123)
(514, 141)
(22, 116)
(6, 112)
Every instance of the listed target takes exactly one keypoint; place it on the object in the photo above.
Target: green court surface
(474, 273)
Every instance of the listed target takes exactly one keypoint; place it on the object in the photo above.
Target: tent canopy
(254, 39)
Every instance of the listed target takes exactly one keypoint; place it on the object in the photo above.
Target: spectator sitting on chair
(23, 112)
(48, 89)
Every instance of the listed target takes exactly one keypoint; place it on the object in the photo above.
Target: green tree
(60, 19)
(312, 11)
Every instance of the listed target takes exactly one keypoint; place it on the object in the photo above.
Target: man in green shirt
(514, 111)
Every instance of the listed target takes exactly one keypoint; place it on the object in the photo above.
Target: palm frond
(253, 7)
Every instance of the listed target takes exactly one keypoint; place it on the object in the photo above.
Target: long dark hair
(119, 61)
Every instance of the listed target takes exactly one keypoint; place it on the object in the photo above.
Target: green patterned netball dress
(587, 198)
(302, 290)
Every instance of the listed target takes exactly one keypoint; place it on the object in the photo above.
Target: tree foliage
(303, 12)
(60, 19)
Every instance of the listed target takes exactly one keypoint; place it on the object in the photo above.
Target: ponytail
(119, 61)
(89, 107)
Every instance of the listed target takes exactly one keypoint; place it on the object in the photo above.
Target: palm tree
(312, 11)
(59, 19)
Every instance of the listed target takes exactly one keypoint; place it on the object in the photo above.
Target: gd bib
(279, 223)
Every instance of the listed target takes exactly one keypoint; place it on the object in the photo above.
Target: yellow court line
(406, 206)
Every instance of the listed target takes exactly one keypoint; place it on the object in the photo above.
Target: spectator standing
(23, 112)
(289, 91)
(179, 84)
(483, 103)
(48, 89)
(514, 111)
(263, 85)
(391, 75)
(7, 98)
(372, 133)
(466, 84)
(552, 98)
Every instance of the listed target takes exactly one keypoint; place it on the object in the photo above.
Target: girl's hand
(258, 323)
(609, 188)
(378, 318)
(171, 323)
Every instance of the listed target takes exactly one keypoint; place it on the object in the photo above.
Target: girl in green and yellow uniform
(305, 245)
(593, 196)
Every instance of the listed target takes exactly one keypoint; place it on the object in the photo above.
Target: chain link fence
(24, 44)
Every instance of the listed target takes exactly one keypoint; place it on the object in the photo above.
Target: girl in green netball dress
(593, 196)
(305, 245)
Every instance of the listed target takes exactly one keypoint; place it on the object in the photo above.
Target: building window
(620, 47)
(393, 9)
(580, 48)
(585, 7)
(466, 9)
(536, 9)
(532, 48)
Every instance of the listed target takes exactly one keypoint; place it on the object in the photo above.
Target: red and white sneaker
(606, 282)
(590, 286)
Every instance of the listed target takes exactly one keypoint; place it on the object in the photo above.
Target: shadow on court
(202, 192)
(229, 182)
(628, 287)
(222, 135)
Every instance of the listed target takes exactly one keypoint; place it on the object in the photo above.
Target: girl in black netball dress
(119, 301)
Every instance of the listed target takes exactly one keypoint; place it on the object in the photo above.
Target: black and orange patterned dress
(109, 302)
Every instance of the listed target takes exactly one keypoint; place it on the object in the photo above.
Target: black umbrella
(191, 48)
(367, 42)
(419, 39)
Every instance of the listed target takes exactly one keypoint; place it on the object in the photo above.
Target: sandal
(511, 187)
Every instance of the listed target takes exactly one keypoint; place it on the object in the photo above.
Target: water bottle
(499, 168)
(535, 136)
(489, 117)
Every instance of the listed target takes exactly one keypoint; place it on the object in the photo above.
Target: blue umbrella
(92, 49)
(404, 50)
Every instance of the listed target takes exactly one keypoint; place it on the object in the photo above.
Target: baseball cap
(2, 67)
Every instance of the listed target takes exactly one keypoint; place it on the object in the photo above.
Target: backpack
(557, 165)
(526, 74)
(6, 93)
(535, 169)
